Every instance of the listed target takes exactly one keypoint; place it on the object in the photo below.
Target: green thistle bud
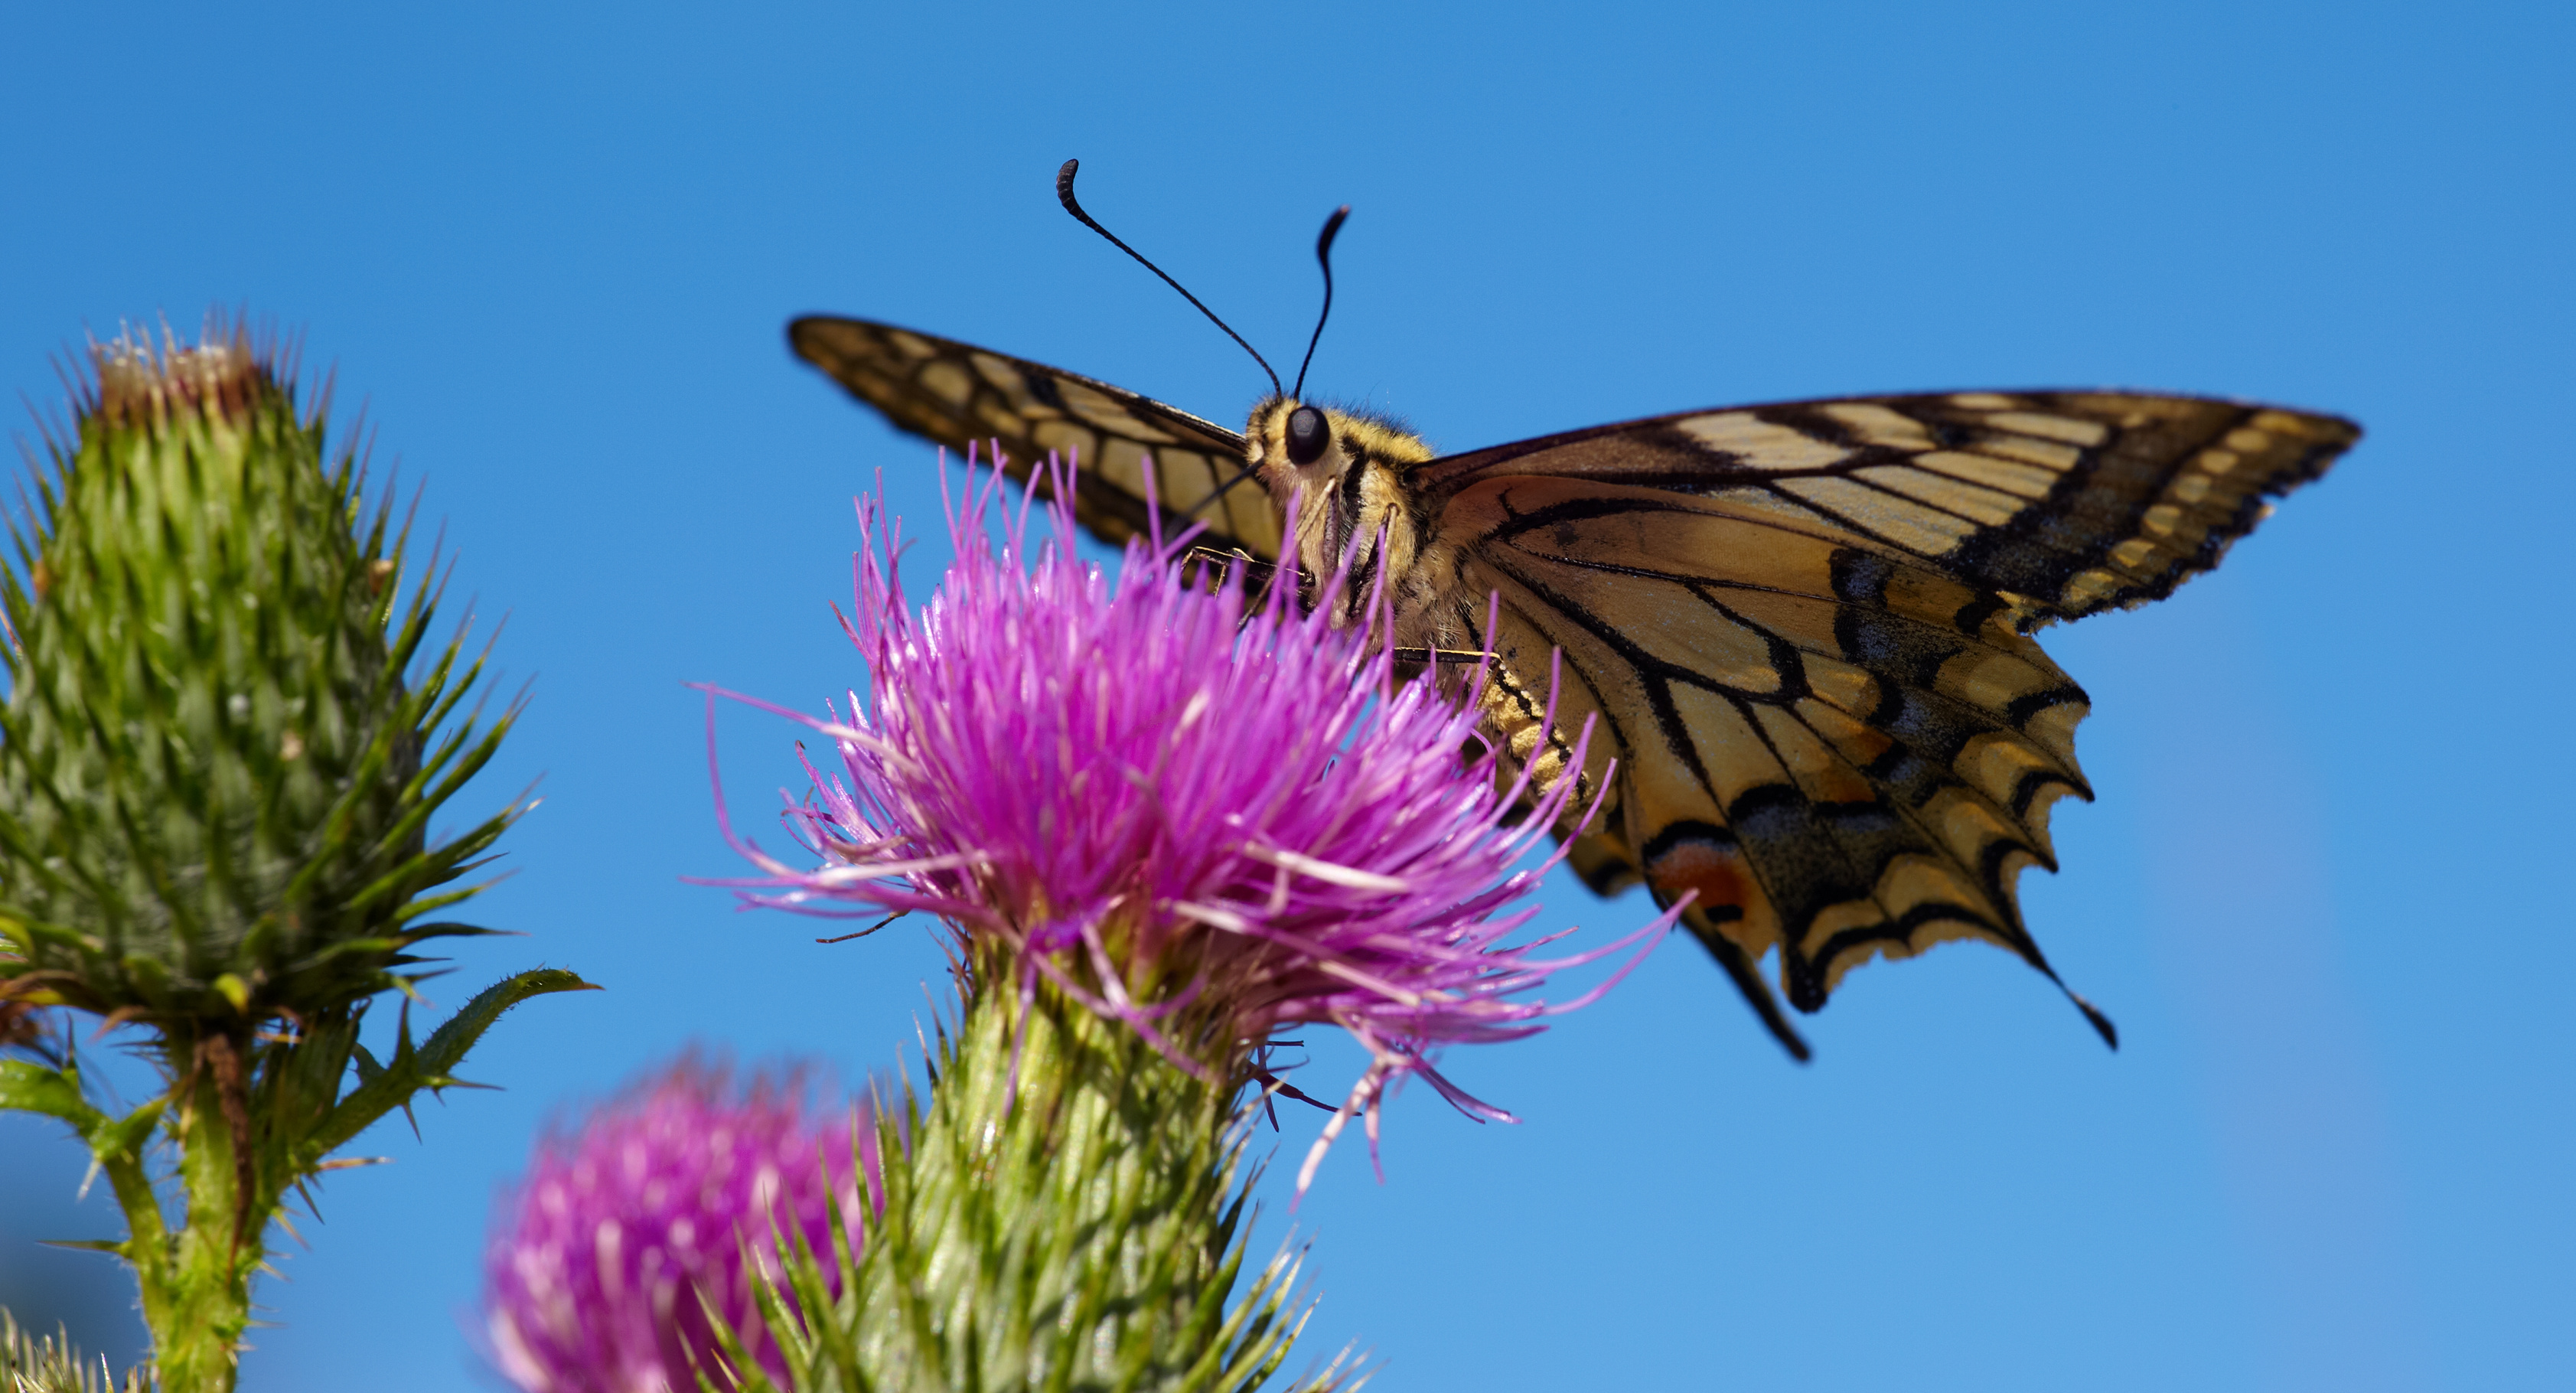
(1066, 1209)
(214, 781)
(214, 788)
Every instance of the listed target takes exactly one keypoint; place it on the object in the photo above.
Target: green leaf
(26, 1086)
(389, 1086)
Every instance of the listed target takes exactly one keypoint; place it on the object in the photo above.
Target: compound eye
(1307, 435)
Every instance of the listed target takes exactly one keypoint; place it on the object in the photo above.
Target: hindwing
(966, 397)
(1804, 630)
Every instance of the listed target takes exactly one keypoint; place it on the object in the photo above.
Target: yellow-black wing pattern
(1805, 629)
(959, 395)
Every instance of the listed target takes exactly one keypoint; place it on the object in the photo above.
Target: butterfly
(1804, 630)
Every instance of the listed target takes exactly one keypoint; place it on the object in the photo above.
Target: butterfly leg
(1446, 657)
(1210, 569)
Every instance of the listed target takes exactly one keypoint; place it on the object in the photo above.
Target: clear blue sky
(551, 249)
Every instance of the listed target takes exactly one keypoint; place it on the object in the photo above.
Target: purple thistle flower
(594, 1274)
(1205, 822)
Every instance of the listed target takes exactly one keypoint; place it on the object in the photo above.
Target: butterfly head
(1345, 471)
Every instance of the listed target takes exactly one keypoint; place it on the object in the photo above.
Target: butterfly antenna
(1323, 258)
(1064, 195)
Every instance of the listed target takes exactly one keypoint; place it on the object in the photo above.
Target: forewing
(961, 396)
(1793, 626)
(2060, 504)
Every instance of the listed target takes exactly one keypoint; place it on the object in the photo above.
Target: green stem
(196, 1298)
(229, 1084)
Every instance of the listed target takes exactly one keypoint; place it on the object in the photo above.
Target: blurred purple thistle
(1205, 819)
(604, 1262)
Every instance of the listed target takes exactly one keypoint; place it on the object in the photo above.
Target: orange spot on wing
(1718, 873)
